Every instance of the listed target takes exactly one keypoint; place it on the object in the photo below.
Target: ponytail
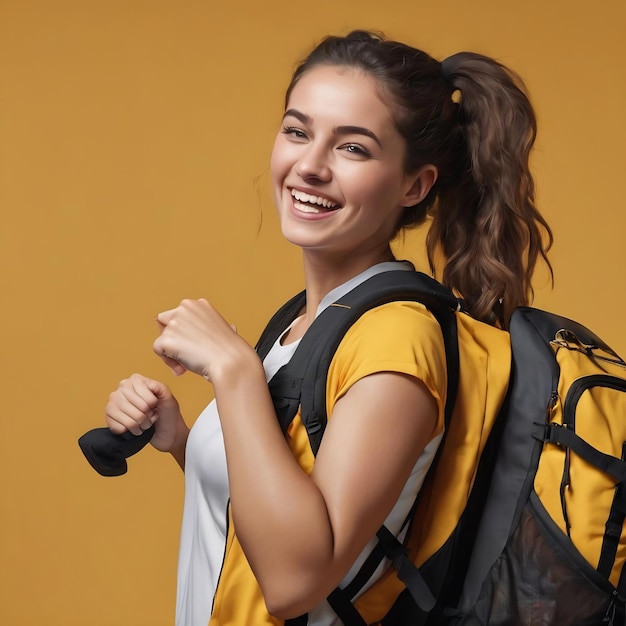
(487, 226)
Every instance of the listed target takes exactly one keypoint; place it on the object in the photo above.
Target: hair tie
(445, 69)
(447, 73)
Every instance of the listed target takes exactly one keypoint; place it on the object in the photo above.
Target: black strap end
(107, 452)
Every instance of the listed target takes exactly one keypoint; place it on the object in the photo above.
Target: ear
(420, 183)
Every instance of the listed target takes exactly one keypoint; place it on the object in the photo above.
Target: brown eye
(297, 133)
(356, 149)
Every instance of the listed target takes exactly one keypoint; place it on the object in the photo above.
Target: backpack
(549, 546)
(539, 540)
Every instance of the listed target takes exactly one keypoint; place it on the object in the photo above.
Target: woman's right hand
(141, 402)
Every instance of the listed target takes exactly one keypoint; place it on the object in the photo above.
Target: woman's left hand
(196, 338)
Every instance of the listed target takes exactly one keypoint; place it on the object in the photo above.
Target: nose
(313, 164)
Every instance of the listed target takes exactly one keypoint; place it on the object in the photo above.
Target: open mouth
(308, 203)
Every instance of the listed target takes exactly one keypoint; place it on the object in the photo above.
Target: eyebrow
(339, 130)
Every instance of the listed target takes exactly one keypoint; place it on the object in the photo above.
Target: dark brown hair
(471, 118)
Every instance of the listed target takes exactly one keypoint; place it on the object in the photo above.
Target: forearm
(180, 445)
(274, 503)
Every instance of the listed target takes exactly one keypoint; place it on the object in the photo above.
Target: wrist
(240, 365)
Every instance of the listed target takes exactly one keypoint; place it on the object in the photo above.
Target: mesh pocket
(541, 581)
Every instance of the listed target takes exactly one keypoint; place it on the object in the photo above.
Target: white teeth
(305, 208)
(305, 197)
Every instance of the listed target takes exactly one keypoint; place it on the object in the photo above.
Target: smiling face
(337, 167)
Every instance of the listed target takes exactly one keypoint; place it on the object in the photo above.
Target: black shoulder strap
(302, 381)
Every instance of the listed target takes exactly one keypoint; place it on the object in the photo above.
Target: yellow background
(134, 143)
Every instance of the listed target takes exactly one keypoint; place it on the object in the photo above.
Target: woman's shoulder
(406, 337)
(411, 323)
(398, 336)
(405, 322)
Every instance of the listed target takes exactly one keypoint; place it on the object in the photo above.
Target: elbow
(285, 609)
(290, 600)
(282, 611)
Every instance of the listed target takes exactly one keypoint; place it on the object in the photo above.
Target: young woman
(375, 137)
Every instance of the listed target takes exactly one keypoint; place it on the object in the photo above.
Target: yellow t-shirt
(398, 337)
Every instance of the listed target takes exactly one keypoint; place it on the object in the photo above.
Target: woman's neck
(322, 275)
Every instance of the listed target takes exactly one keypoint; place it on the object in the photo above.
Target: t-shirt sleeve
(400, 337)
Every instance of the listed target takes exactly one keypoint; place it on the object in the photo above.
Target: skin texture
(317, 151)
